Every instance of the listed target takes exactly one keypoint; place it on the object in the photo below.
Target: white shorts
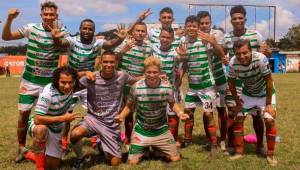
(28, 94)
(53, 142)
(206, 98)
(253, 104)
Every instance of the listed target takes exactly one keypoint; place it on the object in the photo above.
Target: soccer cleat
(223, 145)
(235, 157)
(229, 151)
(261, 151)
(78, 164)
(272, 160)
(185, 144)
(21, 154)
(213, 151)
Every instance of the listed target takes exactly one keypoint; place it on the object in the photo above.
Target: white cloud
(80, 7)
(109, 26)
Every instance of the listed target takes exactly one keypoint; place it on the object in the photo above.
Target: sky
(108, 13)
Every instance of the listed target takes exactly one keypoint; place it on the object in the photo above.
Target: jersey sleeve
(231, 72)
(264, 65)
(128, 78)
(71, 41)
(83, 81)
(43, 103)
(132, 95)
(119, 48)
(25, 30)
(100, 42)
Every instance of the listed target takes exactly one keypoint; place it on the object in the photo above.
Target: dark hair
(240, 43)
(64, 70)
(87, 20)
(202, 14)
(108, 52)
(191, 18)
(238, 9)
(48, 4)
(166, 10)
(140, 23)
(167, 29)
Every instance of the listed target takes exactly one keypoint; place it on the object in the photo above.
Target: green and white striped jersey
(133, 61)
(154, 33)
(82, 56)
(199, 73)
(252, 75)
(53, 103)
(151, 104)
(42, 54)
(253, 36)
(215, 62)
(168, 59)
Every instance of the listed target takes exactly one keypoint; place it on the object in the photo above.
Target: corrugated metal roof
(289, 52)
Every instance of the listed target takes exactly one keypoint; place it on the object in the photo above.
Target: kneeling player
(151, 96)
(104, 101)
(257, 94)
(45, 126)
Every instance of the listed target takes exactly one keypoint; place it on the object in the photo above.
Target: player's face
(108, 64)
(166, 39)
(191, 29)
(66, 83)
(238, 21)
(139, 32)
(152, 74)
(166, 19)
(205, 24)
(87, 30)
(244, 55)
(49, 15)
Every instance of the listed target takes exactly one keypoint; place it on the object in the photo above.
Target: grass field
(193, 157)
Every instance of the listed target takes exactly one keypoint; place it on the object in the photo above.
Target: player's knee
(24, 116)
(76, 135)
(175, 158)
(269, 123)
(114, 161)
(40, 132)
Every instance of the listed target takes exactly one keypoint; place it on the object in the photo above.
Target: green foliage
(291, 41)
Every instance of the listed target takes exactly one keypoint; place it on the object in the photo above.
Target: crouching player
(257, 93)
(45, 125)
(150, 97)
(104, 101)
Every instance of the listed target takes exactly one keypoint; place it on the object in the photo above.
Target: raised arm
(58, 37)
(7, 34)
(121, 35)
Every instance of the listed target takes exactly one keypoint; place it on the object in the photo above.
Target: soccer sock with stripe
(188, 128)
(173, 122)
(238, 131)
(271, 136)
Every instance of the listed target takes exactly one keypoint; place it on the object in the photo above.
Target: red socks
(173, 122)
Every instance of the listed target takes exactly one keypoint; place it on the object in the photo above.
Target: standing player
(42, 59)
(258, 93)
(201, 83)
(238, 21)
(132, 53)
(150, 97)
(45, 125)
(215, 62)
(105, 98)
(169, 58)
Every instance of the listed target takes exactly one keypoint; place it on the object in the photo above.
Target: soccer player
(51, 112)
(238, 21)
(132, 53)
(169, 58)
(258, 93)
(82, 53)
(105, 98)
(215, 62)
(150, 97)
(42, 59)
(201, 83)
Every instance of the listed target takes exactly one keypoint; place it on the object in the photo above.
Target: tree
(291, 41)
